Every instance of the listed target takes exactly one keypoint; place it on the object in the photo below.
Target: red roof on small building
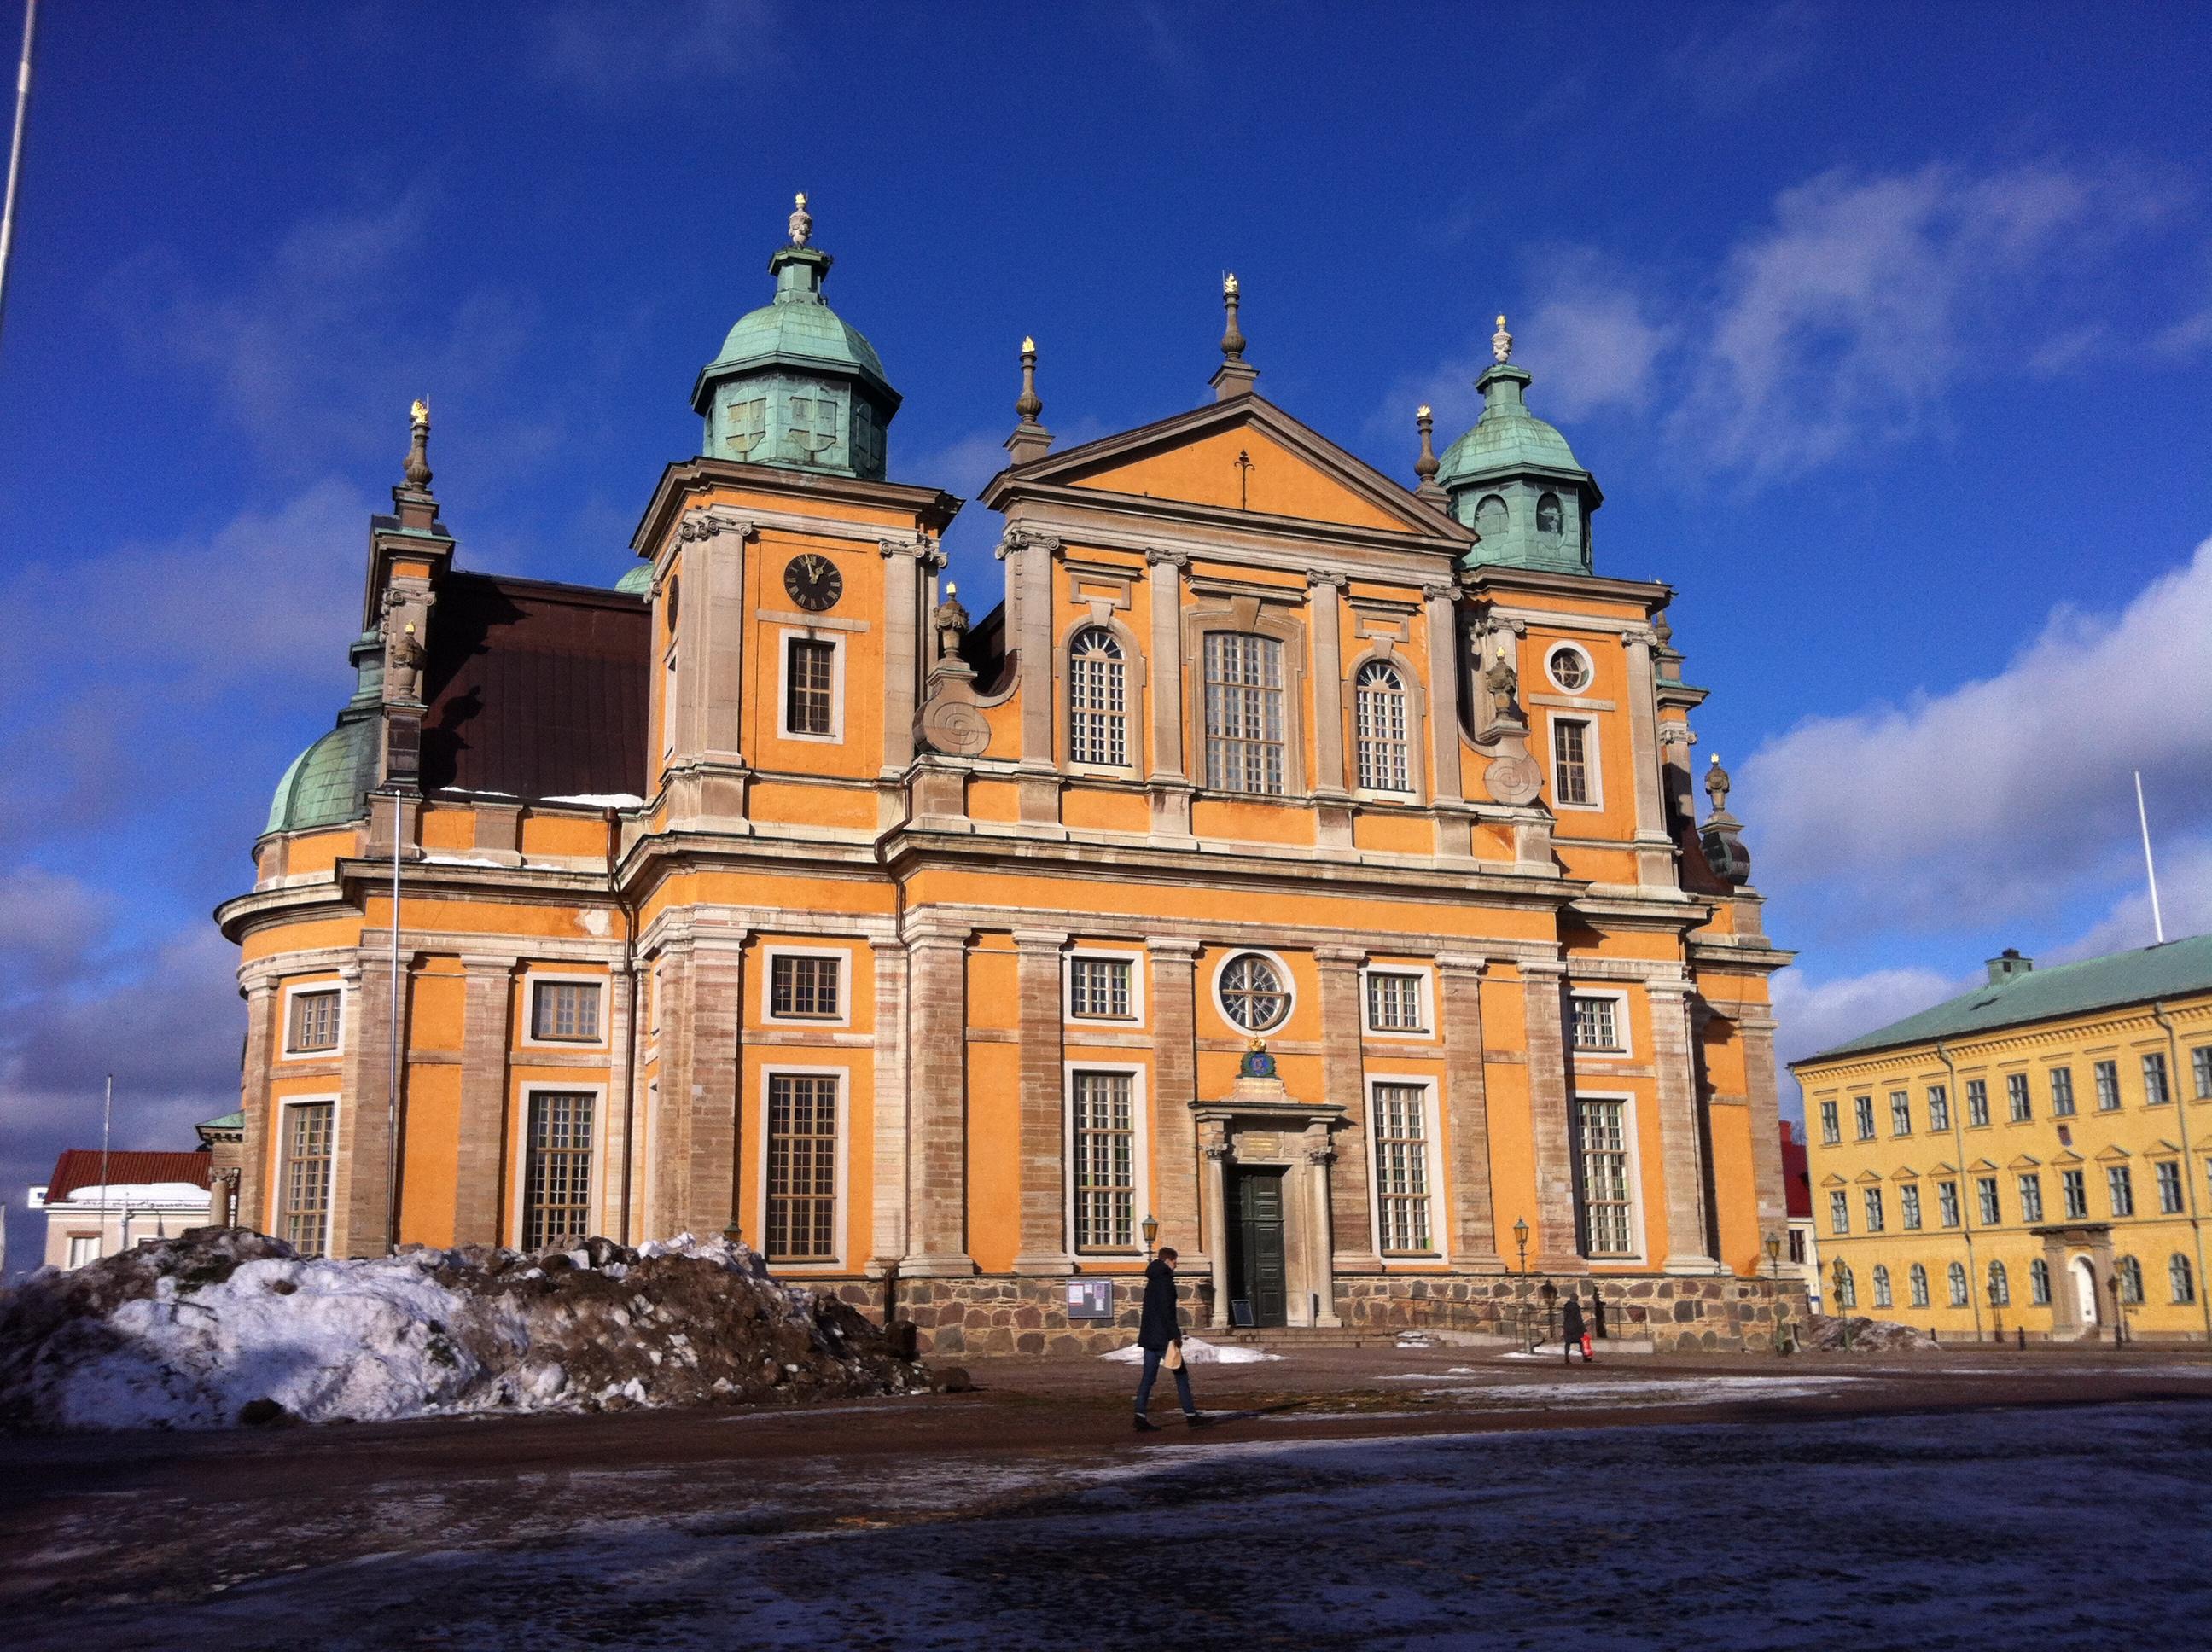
(79, 1167)
(1796, 1173)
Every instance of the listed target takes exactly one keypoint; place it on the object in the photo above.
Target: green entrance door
(1255, 1238)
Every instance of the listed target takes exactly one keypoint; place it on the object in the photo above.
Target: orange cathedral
(1299, 866)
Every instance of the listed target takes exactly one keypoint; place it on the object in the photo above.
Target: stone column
(1043, 1244)
(1756, 1027)
(1655, 848)
(2065, 1307)
(1325, 590)
(256, 1201)
(1681, 1164)
(1174, 1009)
(710, 1091)
(1318, 1155)
(1466, 1103)
(938, 1107)
(890, 1243)
(1216, 1151)
(902, 662)
(1443, 690)
(360, 1172)
(488, 996)
(1558, 1241)
(1344, 1085)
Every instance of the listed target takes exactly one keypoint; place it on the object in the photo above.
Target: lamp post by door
(1521, 1243)
(1152, 1231)
(1843, 1308)
(1996, 1317)
(1774, 1274)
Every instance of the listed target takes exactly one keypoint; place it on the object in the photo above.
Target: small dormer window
(1489, 516)
(1548, 515)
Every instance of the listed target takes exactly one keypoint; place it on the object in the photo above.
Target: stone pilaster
(613, 1148)
(889, 1227)
(1681, 1158)
(938, 1107)
(1654, 848)
(715, 1008)
(1756, 1028)
(488, 996)
(1344, 1085)
(361, 1171)
(903, 640)
(254, 1200)
(668, 1137)
(1170, 768)
(712, 624)
(1557, 1239)
(1466, 1103)
(1325, 591)
(1031, 632)
(1442, 613)
(1174, 1007)
(1043, 1243)
(1319, 1154)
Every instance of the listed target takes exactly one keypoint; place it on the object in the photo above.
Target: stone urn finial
(417, 471)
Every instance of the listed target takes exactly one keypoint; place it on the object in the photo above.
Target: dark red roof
(1796, 1172)
(535, 689)
(79, 1167)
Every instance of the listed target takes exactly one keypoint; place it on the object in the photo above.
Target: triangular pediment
(1982, 1163)
(1870, 1175)
(2113, 1155)
(1832, 1180)
(1286, 472)
(2068, 1157)
(2024, 1162)
(1905, 1172)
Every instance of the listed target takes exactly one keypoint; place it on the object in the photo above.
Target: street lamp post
(1774, 1273)
(1843, 1308)
(1152, 1231)
(2119, 1312)
(1996, 1315)
(1521, 1243)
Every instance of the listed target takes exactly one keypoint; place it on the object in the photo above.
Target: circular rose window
(1253, 992)
(1569, 668)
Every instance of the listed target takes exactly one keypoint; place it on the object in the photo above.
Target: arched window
(1548, 516)
(1918, 1281)
(1847, 1290)
(1957, 1274)
(2179, 1276)
(1244, 719)
(1253, 992)
(1489, 516)
(2039, 1282)
(1881, 1287)
(2128, 1272)
(1097, 698)
(2000, 1286)
(1380, 717)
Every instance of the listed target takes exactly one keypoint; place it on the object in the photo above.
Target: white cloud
(610, 50)
(2184, 901)
(1814, 1015)
(1735, 53)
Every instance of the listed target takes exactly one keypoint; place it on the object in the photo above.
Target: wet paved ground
(1391, 1498)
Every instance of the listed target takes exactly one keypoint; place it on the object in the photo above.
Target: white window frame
(2172, 1184)
(1839, 1210)
(1427, 1033)
(525, 1093)
(1900, 1107)
(1958, 1286)
(1915, 1286)
(1290, 992)
(2027, 1192)
(1876, 1209)
(292, 988)
(2020, 1098)
(1623, 1051)
(1140, 1111)
(842, 1224)
(283, 1134)
(1406, 744)
(772, 951)
(531, 981)
(1589, 667)
(1132, 957)
(1124, 662)
(1639, 1229)
(1831, 1122)
(1440, 1239)
(1594, 768)
(1909, 1214)
(786, 635)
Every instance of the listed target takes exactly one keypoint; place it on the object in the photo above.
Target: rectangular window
(1863, 1116)
(1608, 1217)
(1393, 1001)
(1947, 1203)
(1985, 1195)
(2156, 1093)
(805, 987)
(304, 1215)
(1874, 1217)
(1244, 721)
(2200, 1062)
(1797, 1245)
(84, 1248)
(802, 1167)
(1597, 1022)
(1831, 1133)
(1977, 1102)
(567, 1009)
(1097, 700)
(1939, 1108)
(1379, 725)
(1571, 768)
(1908, 1202)
(2016, 1101)
(2120, 1183)
(809, 677)
(2169, 1188)
(314, 1021)
(1099, 988)
(2108, 1086)
(1839, 1211)
(2061, 1092)
(1105, 1161)
(1900, 1113)
(557, 1190)
(2074, 1189)
(2031, 1198)
(1402, 1168)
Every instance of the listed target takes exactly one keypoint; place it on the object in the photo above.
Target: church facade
(1296, 868)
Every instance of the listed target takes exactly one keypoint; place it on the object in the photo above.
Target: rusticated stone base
(1004, 1315)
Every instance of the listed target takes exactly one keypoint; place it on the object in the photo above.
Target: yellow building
(1306, 861)
(2032, 1155)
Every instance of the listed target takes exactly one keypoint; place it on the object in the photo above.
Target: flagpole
(107, 1114)
(16, 150)
(2142, 819)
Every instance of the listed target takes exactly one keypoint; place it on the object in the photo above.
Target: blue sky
(1887, 331)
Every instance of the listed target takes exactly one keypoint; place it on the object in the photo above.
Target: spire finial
(1425, 467)
(1501, 341)
(1718, 784)
(1234, 375)
(1232, 337)
(1027, 404)
(802, 224)
(417, 471)
(1030, 440)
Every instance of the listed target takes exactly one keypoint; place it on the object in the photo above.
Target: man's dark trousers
(1182, 1374)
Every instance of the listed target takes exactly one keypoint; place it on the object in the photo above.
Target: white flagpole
(107, 1113)
(16, 150)
(2142, 819)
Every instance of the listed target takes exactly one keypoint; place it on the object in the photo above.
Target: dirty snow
(1198, 1353)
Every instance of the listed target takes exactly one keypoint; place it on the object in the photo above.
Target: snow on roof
(136, 1195)
(81, 1167)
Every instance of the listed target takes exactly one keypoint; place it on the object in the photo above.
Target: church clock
(813, 582)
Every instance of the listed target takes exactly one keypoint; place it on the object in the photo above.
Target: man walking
(1159, 1329)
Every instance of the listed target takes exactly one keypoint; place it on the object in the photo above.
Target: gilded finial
(1027, 406)
(418, 469)
(802, 225)
(1501, 341)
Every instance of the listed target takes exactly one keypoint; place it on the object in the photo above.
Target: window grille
(1881, 1287)
(2181, 1281)
(1985, 1190)
(804, 987)
(1863, 1116)
(2169, 1188)
(305, 1215)
(565, 1009)
(2039, 1282)
(1956, 1276)
(809, 684)
(1839, 1211)
(1947, 1203)
(556, 1198)
(1876, 1217)
(2061, 1092)
(802, 1167)
(1977, 1104)
(1900, 1113)
(2074, 1190)
(2200, 1063)
(1099, 988)
(1380, 721)
(1609, 1205)
(1571, 777)
(1847, 1290)
(1097, 698)
(1908, 1202)
(1402, 1169)
(2031, 1198)
(2017, 1098)
(1253, 993)
(1939, 1108)
(2120, 1183)
(1597, 1023)
(2108, 1085)
(1917, 1280)
(1393, 1001)
(1105, 1161)
(1831, 1131)
(314, 1021)
(2155, 1092)
(1244, 713)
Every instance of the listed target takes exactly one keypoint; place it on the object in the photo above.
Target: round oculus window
(1253, 992)
(1569, 668)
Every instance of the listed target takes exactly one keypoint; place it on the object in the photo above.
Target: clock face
(813, 582)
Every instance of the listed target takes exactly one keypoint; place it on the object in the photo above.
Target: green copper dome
(1515, 481)
(1508, 437)
(329, 783)
(796, 385)
(638, 582)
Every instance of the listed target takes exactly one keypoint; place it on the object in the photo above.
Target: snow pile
(1195, 1353)
(225, 1326)
(1868, 1336)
